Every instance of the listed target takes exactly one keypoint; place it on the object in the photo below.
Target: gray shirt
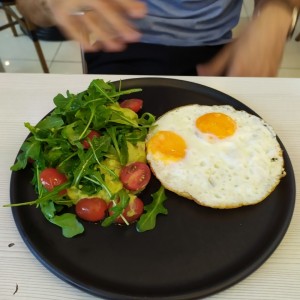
(189, 22)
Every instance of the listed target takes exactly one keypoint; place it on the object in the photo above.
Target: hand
(98, 24)
(258, 51)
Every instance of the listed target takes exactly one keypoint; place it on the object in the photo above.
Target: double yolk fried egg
(215, 155)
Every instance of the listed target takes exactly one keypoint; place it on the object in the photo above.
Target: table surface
(28, 97)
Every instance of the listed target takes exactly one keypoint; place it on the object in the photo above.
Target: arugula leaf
(21, 162)
(70, 103)
(73, 131)
(104, 88)
(120, 118)
(90, 157)
(50, 122)
(124, 150)
(48, 209)
(69, 162)
(30, 149)
(102, 115)
(120, 145)
(53, 195)
(108, 90)
(148, 220)
(90, 116)
(117, 209)
(135, 136)
(54, 155)
(96, 178)
(69, 224)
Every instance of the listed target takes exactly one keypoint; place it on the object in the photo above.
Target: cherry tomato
(51, 177)
(135, 176)
(133, 104)
(91, 209)
(131, 213)
(30, 160)
(90, 136)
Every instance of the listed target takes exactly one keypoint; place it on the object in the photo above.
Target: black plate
(193, 252)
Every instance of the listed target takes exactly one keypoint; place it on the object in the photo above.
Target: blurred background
(18, 55)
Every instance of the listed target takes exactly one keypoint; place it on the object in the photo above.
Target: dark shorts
(149, 59)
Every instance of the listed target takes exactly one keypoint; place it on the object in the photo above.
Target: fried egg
(215, 155)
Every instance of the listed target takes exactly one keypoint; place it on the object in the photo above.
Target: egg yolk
(167, 145)
(218, 124)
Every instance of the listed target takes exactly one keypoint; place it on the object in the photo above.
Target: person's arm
(292, 6)
(290, 2)
(37, 11)
(108, 22)
(259, 48)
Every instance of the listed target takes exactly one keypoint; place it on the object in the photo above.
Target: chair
(13, 19)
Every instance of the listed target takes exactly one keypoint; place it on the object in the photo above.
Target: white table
(28, 97)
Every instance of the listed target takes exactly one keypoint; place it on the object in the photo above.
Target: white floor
(17, 54)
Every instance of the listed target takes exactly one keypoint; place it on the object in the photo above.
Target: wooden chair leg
(31, 28)
(10, 21)
(1, 67)
(84, 66)
(40, 54)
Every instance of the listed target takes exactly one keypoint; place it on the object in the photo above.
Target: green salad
(88, 158)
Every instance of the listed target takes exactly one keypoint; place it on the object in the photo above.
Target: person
(178, 37)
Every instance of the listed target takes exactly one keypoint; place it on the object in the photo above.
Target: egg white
(242, 169)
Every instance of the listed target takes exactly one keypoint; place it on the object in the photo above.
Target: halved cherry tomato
(90, 136)
(135, 176)
(133, 104)
(131, 213)
(51, 178)
(91, 209)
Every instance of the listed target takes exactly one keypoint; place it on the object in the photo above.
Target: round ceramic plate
(193, 252)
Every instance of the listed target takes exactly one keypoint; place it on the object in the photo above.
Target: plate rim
(171, 82)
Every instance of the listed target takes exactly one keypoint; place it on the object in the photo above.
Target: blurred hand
(98, 24)
(257, 52)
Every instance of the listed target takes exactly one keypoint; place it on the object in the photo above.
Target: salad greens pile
(56, 142)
